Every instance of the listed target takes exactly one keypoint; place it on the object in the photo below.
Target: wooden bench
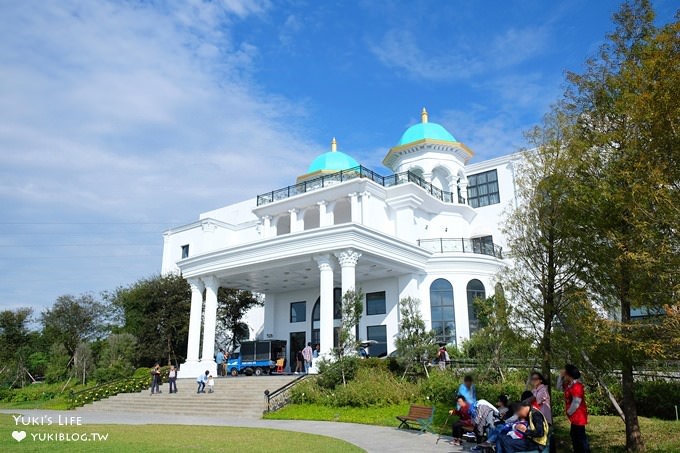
(420, 417)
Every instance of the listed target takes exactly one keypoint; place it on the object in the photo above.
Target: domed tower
(329, 162)
(431, 152)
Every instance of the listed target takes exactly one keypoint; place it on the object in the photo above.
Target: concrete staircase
(240, 396)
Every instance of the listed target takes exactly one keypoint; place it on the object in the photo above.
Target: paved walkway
(370, 438)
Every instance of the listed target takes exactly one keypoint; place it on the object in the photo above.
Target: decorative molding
(324, 262)
(196, 285)
(211, 282)
(348, 258)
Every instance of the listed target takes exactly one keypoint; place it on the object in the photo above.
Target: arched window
(337, 315)
(475, 290)
(441, 307)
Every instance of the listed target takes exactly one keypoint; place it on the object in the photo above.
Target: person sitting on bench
(535, 434)
(464, 423)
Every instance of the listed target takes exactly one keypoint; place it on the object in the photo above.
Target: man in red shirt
(575, 404)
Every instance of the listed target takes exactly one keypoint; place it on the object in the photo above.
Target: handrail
(269, 397)
(464, 245)
(354, 173)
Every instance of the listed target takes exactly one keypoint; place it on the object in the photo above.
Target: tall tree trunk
(634, 442)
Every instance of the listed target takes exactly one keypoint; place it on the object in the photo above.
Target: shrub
(331, 373)
(374, 387)
(307, 392)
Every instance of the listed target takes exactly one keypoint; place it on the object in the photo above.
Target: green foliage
(414, 342)
(370, 387)
(116, 357)
(331, 373)
(13, 331)
(73, 320)
(156, 312)
(58, 363)
(130, 385)
(352, 309)
(497, 340)
(232, 305)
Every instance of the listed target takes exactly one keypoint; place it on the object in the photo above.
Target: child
(516, 432)
(211, 384)
(503, 408)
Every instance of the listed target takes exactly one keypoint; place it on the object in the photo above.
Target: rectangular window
(483, 189)
(379, 334)
(298, 312)
(185, 251)
(375, 303)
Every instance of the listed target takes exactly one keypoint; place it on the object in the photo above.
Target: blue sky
(121, 119)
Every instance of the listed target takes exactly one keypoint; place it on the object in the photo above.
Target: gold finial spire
(423, 115)
(334, 145)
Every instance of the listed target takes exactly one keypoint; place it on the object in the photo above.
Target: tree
(352, 309)
(58, 363)
(626, 183)
(156, 312)
(414, 342)
(83, 362)
(232, 305)
(73, 320)
(117, 357)
(15, 345)
(539, 231)
(497, 338)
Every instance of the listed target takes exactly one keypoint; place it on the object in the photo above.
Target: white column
(209, 322)
(348, 261)
(463, 189)
(365, 197)
(326, 303)
(195, 319)
(269, 315)
(354, 207)
(266, 226)
(294, 221)
(324, 217)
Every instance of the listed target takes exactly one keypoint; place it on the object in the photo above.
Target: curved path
(370, 438)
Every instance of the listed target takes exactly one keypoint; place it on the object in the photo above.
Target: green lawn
(56, 404)
(606, 433)
(163, 438)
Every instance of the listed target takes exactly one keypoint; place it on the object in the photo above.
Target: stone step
(241, 396)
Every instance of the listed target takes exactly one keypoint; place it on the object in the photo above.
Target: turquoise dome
(332, 161)
(420, 131)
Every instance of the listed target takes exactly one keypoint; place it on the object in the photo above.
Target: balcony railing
(354, 173)
(461, 245)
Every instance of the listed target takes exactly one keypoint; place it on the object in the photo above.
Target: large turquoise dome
(426, 130)
(332, 161)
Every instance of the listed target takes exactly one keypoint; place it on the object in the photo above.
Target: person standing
(219, 360)
(156, 379)
(307, 356)
(298, 361)
(315, 352)
(443, 357)
(575, 405)
(172, 379)
(540, 392)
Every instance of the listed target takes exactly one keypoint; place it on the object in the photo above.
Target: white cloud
(458, 56)
(129, 112)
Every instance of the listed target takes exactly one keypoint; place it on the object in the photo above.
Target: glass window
(379, 334)
(475, 290)
(443, 316)
(298, 311)
(185, 251)
(483, 189)
(375, 303)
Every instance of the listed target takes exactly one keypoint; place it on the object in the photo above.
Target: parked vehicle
(256, 357)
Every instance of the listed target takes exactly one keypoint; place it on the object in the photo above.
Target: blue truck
(256, 357)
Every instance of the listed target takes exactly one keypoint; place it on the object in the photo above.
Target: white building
(430, 231)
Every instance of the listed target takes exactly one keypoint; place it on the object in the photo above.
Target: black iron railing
(354, 173)
(461, 245)
(278, 398)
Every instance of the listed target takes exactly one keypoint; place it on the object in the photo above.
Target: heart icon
(19, 435)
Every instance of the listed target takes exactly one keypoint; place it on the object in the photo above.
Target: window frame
(304, 311)
(384, 304)
(480, 190)
(368, 337)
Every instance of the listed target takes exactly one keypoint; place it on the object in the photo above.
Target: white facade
(311, 242)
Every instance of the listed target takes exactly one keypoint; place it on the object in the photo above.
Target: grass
(162, 438)
(383, 416)
(607, 434)
(59, 403)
